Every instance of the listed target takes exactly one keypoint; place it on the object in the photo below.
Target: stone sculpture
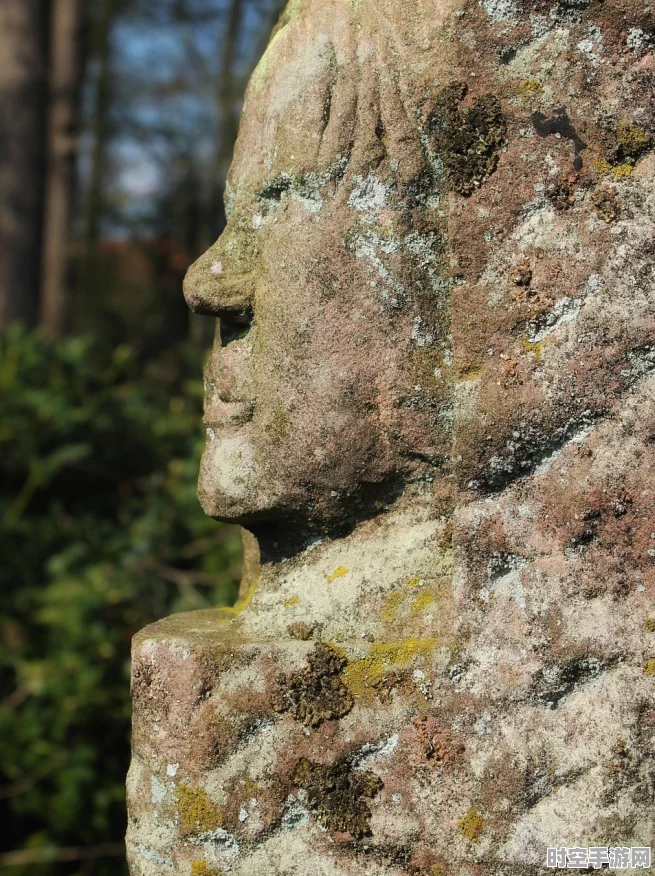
(431, 403)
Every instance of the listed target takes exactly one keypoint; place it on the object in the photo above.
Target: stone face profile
(431, 403)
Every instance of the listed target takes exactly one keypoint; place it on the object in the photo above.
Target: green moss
(472, 825)
(470, 371)
(279, 424)
(468, 142)
(428, 370)
(339, 795)
(649, 667)
(198, 814)
(649, 625)
(602, 167)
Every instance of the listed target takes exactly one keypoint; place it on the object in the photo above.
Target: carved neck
(363, 585)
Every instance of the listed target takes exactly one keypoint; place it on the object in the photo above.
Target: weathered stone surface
(434, 407)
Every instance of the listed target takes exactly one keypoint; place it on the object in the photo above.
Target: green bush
(100, 534)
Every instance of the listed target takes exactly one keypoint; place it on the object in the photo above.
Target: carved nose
(212, 288)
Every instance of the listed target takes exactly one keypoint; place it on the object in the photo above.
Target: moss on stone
(198, 814)
(470, 371)
(426, 365)
(649, 625)
(339, 795)
(468, 142)
(300, 630)
(606, 204)
(472, 825)
(316, 693)
(649, 667)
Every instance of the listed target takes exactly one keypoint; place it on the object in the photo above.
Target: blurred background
(117, 123)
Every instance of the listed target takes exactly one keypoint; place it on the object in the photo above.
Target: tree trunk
(62, 141)
(101, 49)
(23, 70)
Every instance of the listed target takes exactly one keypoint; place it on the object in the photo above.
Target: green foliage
(100, 534)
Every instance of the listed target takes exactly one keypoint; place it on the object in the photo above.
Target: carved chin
(227, 483)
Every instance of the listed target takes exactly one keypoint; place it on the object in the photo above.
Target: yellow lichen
(197, 812)
(338, 573)
(601, 166)
(649, 625)
(361, 675)
(200, 868)
(472, 825)
(649, 667)
(423, 600)
(391, 605)
(414, 582)
(294, 600)
(529, 89)
(622, 170)
(243, 602)
(535, 349)
(633, 141)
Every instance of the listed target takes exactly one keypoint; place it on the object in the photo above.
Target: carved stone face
(324, 387)
(405, 261)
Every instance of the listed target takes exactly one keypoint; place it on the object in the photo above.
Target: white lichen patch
(370, 194)
(592, 45)
(565, 310)
(375, 750)
(502, 10)
(639, 41)
(158, 791)
(295, 815)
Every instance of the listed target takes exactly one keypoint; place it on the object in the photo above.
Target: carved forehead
(327, 85)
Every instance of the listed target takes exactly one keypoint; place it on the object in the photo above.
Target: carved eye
(232, 331)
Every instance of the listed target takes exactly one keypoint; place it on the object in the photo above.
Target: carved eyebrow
(305, 189)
